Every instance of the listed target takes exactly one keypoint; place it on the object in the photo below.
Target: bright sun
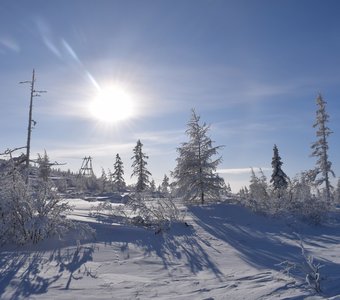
(112, 104)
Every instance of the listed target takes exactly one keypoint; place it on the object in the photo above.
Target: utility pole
(34, 93)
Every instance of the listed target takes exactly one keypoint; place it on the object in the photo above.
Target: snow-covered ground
(226, 253)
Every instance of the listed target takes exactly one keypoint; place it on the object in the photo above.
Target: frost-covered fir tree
(323, 168)
(152, 186)
(139, 167)
(279, 179)
(228, 188)
(243, 194)
(337, 193)
(195, 174)
(165, 185)
(258, 196)
(103, 181)
(118, 174)
(44, 166)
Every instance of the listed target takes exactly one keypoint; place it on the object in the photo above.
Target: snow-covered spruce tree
(243, 196)
(44, 166)
(152, 186)
(103, 181)
(323, 168)
(228, 189)
(118, 174)
(139, 168)
(165, 185)
(258, 195)
(225, 190)
(279, 179)
(195, 174)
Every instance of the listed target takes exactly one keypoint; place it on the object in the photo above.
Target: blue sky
(251, 69)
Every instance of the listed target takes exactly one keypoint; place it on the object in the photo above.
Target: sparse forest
(309, 195)
(36, 197)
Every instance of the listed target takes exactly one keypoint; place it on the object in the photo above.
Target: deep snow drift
(226, 252)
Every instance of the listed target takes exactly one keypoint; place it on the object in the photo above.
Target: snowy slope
(226, 253)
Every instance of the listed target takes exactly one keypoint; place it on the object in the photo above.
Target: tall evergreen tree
(118, 174)
(279, 179)
(323, 168)
(139, 167)
(195, 174)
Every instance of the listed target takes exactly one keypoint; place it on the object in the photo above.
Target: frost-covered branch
(308, 267)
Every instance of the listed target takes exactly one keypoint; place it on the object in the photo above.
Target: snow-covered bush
(243, 196)
(257, 199)
(61, 185)
(91, 184)
(87, 185)
(307, 267)
(158, 214)
(300, 199)
(31, 211)
(303, 203)
(142, 210)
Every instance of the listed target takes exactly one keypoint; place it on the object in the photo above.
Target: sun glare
(112, 104)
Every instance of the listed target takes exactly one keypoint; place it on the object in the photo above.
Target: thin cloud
(47, 37)
(161, 137)
(97, 150)
(240, 171)
(70, 51)
(9, 44)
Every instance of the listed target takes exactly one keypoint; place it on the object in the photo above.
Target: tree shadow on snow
(177, 244)
(254, 237)
(32, 269)
(264, 242)
(24, 272)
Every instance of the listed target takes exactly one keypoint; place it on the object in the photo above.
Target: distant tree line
(195, 179)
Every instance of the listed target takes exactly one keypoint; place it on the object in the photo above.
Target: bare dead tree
(34, 93)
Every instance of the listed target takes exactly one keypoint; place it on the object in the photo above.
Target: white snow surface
(226, 252)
